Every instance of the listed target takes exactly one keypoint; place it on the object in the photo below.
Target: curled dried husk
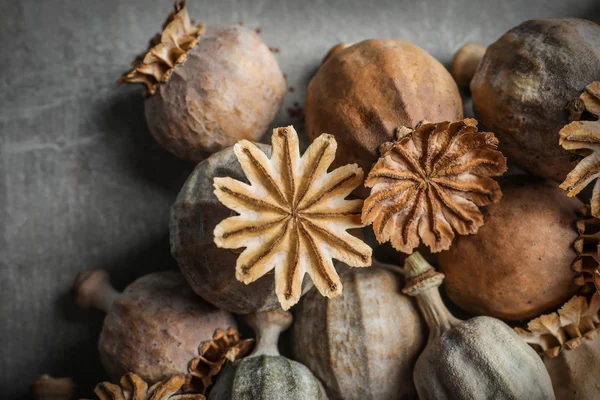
(587, 246)
(166, 50)
(583, 139)
(569, 344)
(225, 346)
(132, 387)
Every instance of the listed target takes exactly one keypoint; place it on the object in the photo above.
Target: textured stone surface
(82, 183)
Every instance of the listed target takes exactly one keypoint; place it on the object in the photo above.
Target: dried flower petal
(293, 216)
(575, 321)
(430, 183)
(587, 246)
(166, 50)
(213, 354)
(132, 387)
(583, 139)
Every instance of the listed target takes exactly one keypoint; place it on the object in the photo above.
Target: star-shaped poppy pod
(293, 216)
(430, 183)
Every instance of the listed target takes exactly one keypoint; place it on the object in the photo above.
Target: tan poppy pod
(154, 328)
(364, 344)
(207, 88)
(524, 82)
(519, 264)
(569, 344)
(363, 93)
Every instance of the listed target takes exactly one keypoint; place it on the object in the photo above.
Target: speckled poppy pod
(154, 328)
(362, 92)
(523, 82)
(430, 184)
(207, 88)
(293, 216)
(569, 343)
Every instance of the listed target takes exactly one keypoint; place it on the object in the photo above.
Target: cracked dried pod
(569, 344)
(519, 263)
(364, 344)
(153, 328)
(205, 89)
(265, 374)
(481, 358)
(367, 90)
(133, 387)
(525, 80)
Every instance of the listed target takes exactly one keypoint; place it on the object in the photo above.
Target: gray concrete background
(82, 184)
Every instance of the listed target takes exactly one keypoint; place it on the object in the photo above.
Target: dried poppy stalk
(583, 139)
(165, 51)
(213, 354)
(293, 216)
(430, 183)
(132, 387)
(587, 247)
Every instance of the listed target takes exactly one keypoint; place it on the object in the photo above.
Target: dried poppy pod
(569, 344)
(265, 374)
(154, 328)
(524, 82)
(519, 263)
(481, 358)
(207, 89)
(364, 344)
(366, 91)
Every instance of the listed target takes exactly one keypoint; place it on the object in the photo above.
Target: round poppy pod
(524, 83)
(518, 265)
(207, 88)
(364, 92)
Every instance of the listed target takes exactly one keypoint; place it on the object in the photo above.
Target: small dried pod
(154, 328)
(525, 80)
(364, 344)
(569, 343)
(205, 89)
(366, 91)
(583, 139)
(587, 246)
(481, 358)
(46, 387)
(265, 374)
(430, 184)
(133, 387)
(465, 62)
(519, 265)
(293, 216)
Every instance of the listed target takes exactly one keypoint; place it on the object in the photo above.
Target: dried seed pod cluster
(207, 88)
(431, 182)
(570, 346)
(292, 217)
(132, 387)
